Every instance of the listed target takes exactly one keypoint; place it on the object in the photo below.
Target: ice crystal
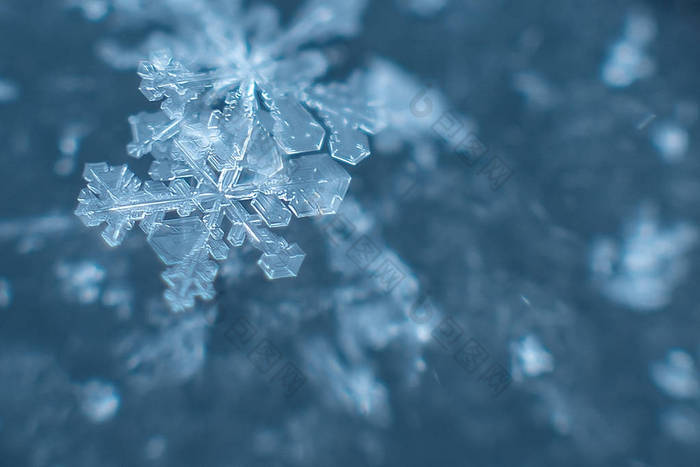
(410, 112)
(247, 136)
(357, 390)
(174, 352)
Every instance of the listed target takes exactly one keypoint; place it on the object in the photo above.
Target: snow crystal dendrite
(238, 147)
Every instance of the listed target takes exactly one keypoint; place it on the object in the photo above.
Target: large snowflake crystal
(245, 139)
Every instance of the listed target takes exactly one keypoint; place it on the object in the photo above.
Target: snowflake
(237, 148)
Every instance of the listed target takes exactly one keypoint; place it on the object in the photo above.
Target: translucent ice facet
(146, 129)
(295, 129)
(272, 210)
(174, 239)
(193, 277)
(285, 263)
(346, 143)
(315, 186)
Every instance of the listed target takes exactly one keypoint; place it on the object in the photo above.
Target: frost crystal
(240, 144)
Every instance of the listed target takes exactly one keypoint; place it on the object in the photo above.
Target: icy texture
(99, 400)
(155, 447)
(643, 271)
(235, 105)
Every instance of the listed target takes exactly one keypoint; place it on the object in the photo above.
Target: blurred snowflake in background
(643, 271)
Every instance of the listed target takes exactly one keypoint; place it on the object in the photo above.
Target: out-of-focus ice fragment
(643, 270)
(534, 88)
(69, 145)
(173, 355)
(530, 358)
(627, 60)
(93, 10)
(424, 8)
(8, 91)
(677, 375)
(5, 293)
(99, 400)
(155, 447)
(671, 140)
(356, 390)
(682, 424)
(81, 281)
